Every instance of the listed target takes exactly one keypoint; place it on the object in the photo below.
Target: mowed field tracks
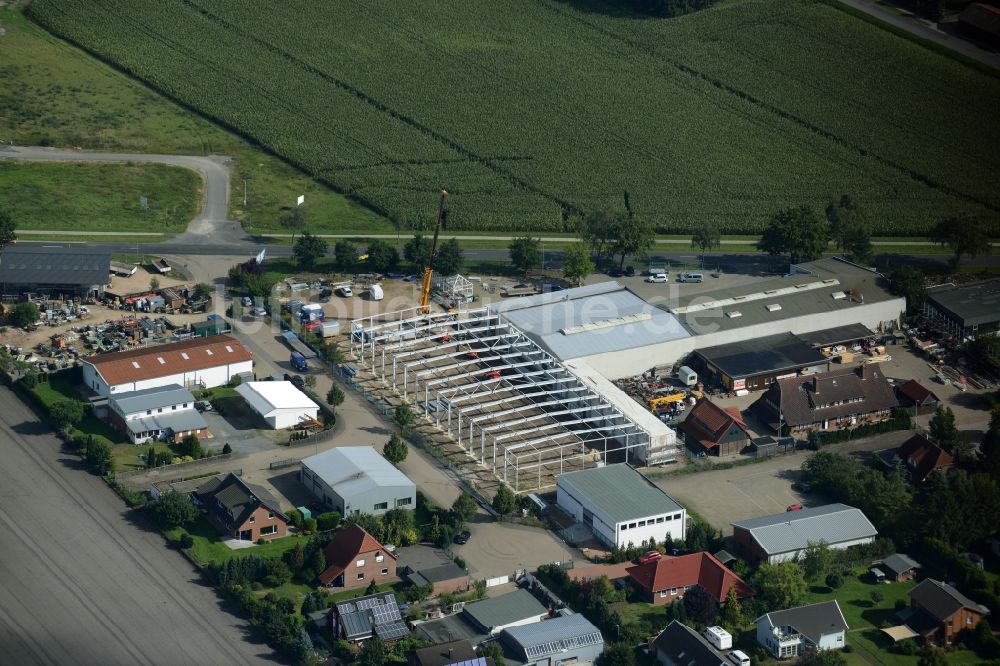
(532, 111)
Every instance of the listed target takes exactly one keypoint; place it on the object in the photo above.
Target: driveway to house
(88, 581)
(759, 489)
(913, 25)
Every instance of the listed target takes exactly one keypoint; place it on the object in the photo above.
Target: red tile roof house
(200, 362)
(240, 510)
(920, 457)
(355, 558)
(914, 394)
(719, 431)
(666, 579)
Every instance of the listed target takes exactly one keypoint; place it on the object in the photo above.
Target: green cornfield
(533, 112)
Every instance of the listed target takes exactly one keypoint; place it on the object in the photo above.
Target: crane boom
(425, 289)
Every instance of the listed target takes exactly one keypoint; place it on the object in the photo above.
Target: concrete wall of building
(402, 496)
(793, 554)
(631, 362)
(209, 377)
(656, 526)
(831, 641)
(288, 418)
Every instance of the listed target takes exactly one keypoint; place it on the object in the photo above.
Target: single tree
(985, 350)
(154, 283)
(942, 429)
(964, 234)
(526, 253)
(202, 291)
(382, 257)
(173, 509)
(577, 263)
(23, 315)
(66, 413)
(310, 381)
(335, 396)
(850, 229)
(463, 508)
(404, 418)
(877, 597)
(816, 560)
(797, 232)
(706, 237)
(344, 256)
(700, 605)
(780, 585)
(227, 449)
(910, 283)
(989, 449)
(395, 449)
(632, 236)
(372, 588)
(99, 457)
(293, 219)
(932, 656)
(493, 650)
(151, 457)
(732, 612)
(505, 501)
(373, 652)
(7, 230)
(190, 445)
(596, 231)
(616, 654)
(308, 250)
(416, 251)
(449, 259)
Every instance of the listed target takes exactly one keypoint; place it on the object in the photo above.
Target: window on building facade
(359, 563)
(404, 501)
(381, 506)
(361, 576)
(379, 557)
(385, 571)
(268, 529)
(253, 519)
(270, 514)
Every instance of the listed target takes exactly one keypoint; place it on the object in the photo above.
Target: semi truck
(298, 362)
(296, 345)
(311, 312)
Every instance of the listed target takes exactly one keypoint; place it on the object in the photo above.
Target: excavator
(425, 290)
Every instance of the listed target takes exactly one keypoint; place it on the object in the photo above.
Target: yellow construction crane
(425, 290)
(656, 403)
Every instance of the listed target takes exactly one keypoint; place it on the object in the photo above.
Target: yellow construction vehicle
(656, 403)
(425, 290)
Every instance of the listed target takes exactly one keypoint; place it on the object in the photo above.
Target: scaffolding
(510, 405)
(453, 289)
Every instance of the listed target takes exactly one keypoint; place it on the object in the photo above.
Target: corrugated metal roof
(972, 304)
(353, 469)
(42, 264)
(544, 318)
(773, 353)
(794, 530)
(180, 421)
(619, 491)
(553, 636)
(135, 402)
(505, 609)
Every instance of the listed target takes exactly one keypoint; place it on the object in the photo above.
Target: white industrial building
(356, 479)
(196, 363)
(620, 505)
(280, 404)
(786, 536)
(524, 385)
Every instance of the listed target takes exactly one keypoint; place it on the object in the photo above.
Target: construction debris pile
(661, 393)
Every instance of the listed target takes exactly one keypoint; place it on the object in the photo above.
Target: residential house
(359, 619)
(919, 457)
(938, 612)
(200, 362)
(240, 510)
(719, 431)
(355, 558)
(668, 578)
(785, 536)
(160, 413)
(569, 639)
(914, 394)
(898, 568)
(797, 631)
(680, 645)
(841, 398)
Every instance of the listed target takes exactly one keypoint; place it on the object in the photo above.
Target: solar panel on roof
(391, 631)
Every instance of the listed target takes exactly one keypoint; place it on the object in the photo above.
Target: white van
(375, 292)
(691, 277)
(739, 657)
(657, 277)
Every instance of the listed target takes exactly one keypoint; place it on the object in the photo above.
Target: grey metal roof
(47, 264)
(837, 335)
(813, 621)
(972, 304)
(794, 530)
(442, 572)
(544, 317)
(179, 421)
(898, 563)
(505, 609)
(152, 398)
(619, 491)
(864, 283)
(350, 470)
(555, 636)
(772, 353)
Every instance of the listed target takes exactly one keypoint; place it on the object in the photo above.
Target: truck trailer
(296, 345)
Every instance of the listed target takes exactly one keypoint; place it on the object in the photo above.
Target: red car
(492, 374)
(794, 507)
(650, 556)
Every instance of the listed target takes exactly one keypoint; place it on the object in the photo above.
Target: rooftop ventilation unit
(607, 323)
(773, 307)
(733, 314)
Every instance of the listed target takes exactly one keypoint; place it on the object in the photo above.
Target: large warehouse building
(356, 479)
(966, 310)
(525, 384)
(74, 271)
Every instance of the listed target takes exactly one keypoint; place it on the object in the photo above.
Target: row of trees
(380, 256)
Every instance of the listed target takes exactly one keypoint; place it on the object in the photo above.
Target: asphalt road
(83, 580)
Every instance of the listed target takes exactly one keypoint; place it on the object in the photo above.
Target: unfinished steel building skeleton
(512, 407)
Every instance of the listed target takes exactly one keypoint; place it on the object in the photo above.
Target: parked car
(650, 556)
(630, 271)
(802, 487)
(794, 507)
(260, 312)
(247, 302)
(345, 292)
(463, 537)
(657, 277)
(204, 406)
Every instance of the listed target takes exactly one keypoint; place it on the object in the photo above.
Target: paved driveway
(497, 549)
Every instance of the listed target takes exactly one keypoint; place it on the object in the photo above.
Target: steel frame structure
(513, 408)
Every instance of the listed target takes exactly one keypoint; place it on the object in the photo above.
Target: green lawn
(209, 549)
(649, 618)
(100, 197)
(54, 94)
